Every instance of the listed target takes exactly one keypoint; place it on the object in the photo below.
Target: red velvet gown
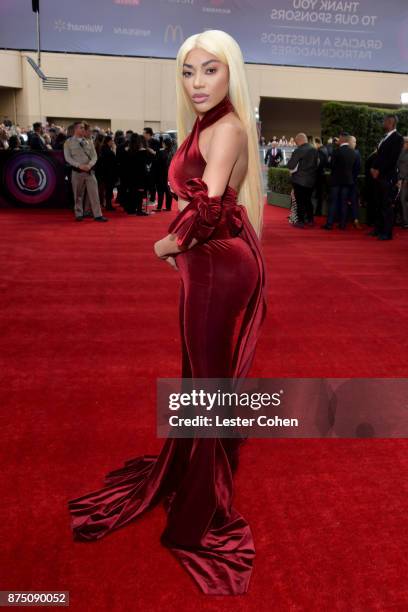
(222, 306)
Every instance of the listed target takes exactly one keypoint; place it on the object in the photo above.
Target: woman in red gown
(216, 249)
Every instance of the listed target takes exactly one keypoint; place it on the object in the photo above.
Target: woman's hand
(159, 249)
(166, 246)
(172, 261)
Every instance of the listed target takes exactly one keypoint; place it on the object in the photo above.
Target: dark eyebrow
(203, 64)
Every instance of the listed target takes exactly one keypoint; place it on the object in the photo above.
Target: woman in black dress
(137, 160)
(107, 170)
(164, 156)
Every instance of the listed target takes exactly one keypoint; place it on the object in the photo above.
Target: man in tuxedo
(36, 140)
(385, 174)
(342, 163)
(303, 166)
(274, 156)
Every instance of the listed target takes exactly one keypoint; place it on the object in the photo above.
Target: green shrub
(279, 182)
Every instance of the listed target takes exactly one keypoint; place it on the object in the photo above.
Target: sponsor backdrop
(365, 35)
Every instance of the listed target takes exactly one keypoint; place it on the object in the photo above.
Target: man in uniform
(80, 154)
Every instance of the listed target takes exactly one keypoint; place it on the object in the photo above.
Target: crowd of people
(38, 137)
(99, 161)
(136, 163)
(386, 180)
(278, 142)
(136, 166)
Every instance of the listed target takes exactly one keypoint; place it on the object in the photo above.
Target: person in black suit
(106, 170)
(122, 146)
(36, 141)
(323, 164)
(153, 147)
(354, 193)
(385, 174)
(332, 144)
(303, 166)
(342, 164)
(370, 189)
(274, 156)
(164, 156)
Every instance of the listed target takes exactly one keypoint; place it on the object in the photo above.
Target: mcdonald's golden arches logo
(175, 31)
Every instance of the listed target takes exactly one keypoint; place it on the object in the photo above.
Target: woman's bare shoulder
(231, 119)
(230, 126)
(226, 133)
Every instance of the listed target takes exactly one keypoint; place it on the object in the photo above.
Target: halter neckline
(188, 161)
(216, 112)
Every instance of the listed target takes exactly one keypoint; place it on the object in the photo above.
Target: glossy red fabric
(221, 309)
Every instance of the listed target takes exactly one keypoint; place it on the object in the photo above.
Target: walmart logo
(60, 25)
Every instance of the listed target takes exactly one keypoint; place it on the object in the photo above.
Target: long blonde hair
(227, 50)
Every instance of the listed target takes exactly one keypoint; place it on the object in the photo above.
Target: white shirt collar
(387, 135)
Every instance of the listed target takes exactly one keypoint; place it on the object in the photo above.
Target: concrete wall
(10, 69)
(11, 82)
(134, 92)
(8, 106)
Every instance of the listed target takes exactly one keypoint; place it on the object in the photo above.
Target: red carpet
(89, 321)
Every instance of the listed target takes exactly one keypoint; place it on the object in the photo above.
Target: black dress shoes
(101, 219)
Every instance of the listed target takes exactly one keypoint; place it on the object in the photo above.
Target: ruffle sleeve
(199, 218)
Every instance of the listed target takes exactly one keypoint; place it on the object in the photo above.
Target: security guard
(81, 155)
